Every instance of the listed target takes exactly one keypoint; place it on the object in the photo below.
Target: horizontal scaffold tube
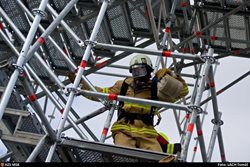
(165, 53)
(133, 100)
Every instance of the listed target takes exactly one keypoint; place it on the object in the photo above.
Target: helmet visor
(138, 71)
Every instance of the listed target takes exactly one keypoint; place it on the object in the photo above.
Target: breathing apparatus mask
(141, 68)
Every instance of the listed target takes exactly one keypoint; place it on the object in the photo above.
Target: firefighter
(135, 126)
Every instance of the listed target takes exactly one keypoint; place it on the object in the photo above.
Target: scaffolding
(43, 40)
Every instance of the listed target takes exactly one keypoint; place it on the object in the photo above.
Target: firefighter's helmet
(140, 65)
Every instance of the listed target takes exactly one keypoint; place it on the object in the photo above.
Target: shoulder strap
(154, 88)
(123, 92)
(154, 97)
(154, 93)
(124, 88)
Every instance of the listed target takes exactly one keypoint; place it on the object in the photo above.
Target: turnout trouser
(135, 140)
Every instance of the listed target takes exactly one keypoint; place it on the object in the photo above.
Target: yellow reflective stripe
(146, 107)
(105, 90)
(164, 136)
(183, 93)
(125, 127)
(135, 130)
(184, 90)
(170, 149)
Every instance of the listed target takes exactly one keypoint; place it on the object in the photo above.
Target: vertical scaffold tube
(37, 56)
(202, 121)
(65, 57)
(36, 105)
(37, 149)
(166, 34)
(212, 142)
(38, 80)
(195, 110)
(201, 139)
(108, 123)
(21, 60)
(82, 66)
(80, 71)
(217, 117)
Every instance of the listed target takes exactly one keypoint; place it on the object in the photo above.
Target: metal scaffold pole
(199, 33)
(62, 62)
(202, 122)
(37, 56)
(227, 87)
(31, 93)
(75, 124)
(37, 149)
(78, 76)
(59, 106)
(163, 53)
(87, 117)
(33, 74)
(196, 109)
(169, 24)
(23, 56)
(108, 122)
(216, 121)
(69, 30)
(40, 41)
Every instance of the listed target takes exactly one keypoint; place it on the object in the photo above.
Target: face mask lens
(139, 71)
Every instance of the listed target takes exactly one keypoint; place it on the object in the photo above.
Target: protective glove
(162, 72)
(72, 77)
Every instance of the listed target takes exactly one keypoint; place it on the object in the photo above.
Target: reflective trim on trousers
(170, 149)
(134, 130)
